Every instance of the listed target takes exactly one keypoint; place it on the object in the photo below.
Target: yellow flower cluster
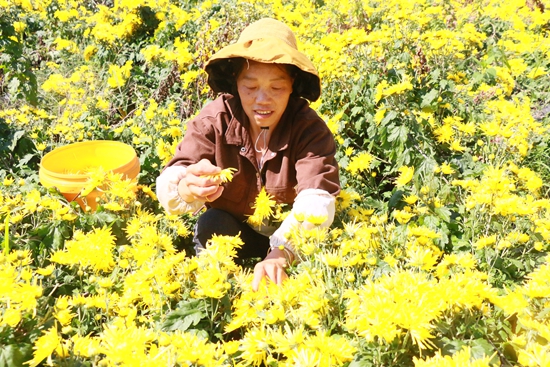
(93, 250)
(389, 307)
(119, 74)
(19, 288)
(462, 358)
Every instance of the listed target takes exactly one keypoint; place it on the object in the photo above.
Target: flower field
(439, 253)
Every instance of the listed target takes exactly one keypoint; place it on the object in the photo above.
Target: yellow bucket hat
(268, 41)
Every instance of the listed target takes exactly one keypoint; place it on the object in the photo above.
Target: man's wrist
(281, 252)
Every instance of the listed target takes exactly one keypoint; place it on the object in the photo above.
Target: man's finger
(281, 275)
(217, 194)
(203, 167)
(259, 273)
(213, 192)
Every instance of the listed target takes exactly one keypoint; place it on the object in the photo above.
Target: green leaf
(361, 362)
(105, 218)
(58, 239)
(200, 333)
(16, 136)
(430, 221)
(14, 355)
(190, 314)
(359, 123)
(481, 348)
(452, 346)
(389, 117)
(398, 133)
(24, 160)
(477, 77)
(491, 75)
(443, 213)
(428, 98)
(396, 198)
(356, 110)
(436, 75)
(13, 86)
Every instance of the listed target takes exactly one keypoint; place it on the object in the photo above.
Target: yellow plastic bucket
(65, 167)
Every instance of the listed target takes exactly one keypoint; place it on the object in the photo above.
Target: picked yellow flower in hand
(225, 175)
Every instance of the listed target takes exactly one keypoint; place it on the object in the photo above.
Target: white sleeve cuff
(309, 202)
(167, 191)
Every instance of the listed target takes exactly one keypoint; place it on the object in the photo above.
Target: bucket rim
(80, 176)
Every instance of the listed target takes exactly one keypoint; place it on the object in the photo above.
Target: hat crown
(266, 28)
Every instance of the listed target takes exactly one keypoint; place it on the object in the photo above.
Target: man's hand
(194, 187)
(272, 267)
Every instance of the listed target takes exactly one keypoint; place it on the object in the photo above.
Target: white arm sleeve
(167, 191)
(308, 202)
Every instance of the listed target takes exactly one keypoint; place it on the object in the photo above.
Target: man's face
(264, 90)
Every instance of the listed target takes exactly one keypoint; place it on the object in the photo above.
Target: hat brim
(271, 51)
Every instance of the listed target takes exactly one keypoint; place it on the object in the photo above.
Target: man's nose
(263, 95)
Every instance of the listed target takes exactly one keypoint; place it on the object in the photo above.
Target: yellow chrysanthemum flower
(93, 249)
(45, 346)
(461, 358)
(225, 175)
(263, 208)
(405, 177)
(361, 162)
(410, 199)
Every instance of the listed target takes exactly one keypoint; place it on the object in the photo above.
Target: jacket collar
(237, 125)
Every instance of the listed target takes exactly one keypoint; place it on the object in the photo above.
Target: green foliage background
(456, 93)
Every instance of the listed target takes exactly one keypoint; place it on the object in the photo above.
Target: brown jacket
(300, 153)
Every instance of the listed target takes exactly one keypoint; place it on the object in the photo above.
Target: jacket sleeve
(197, 143)
(316, 165)
(309, 202)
